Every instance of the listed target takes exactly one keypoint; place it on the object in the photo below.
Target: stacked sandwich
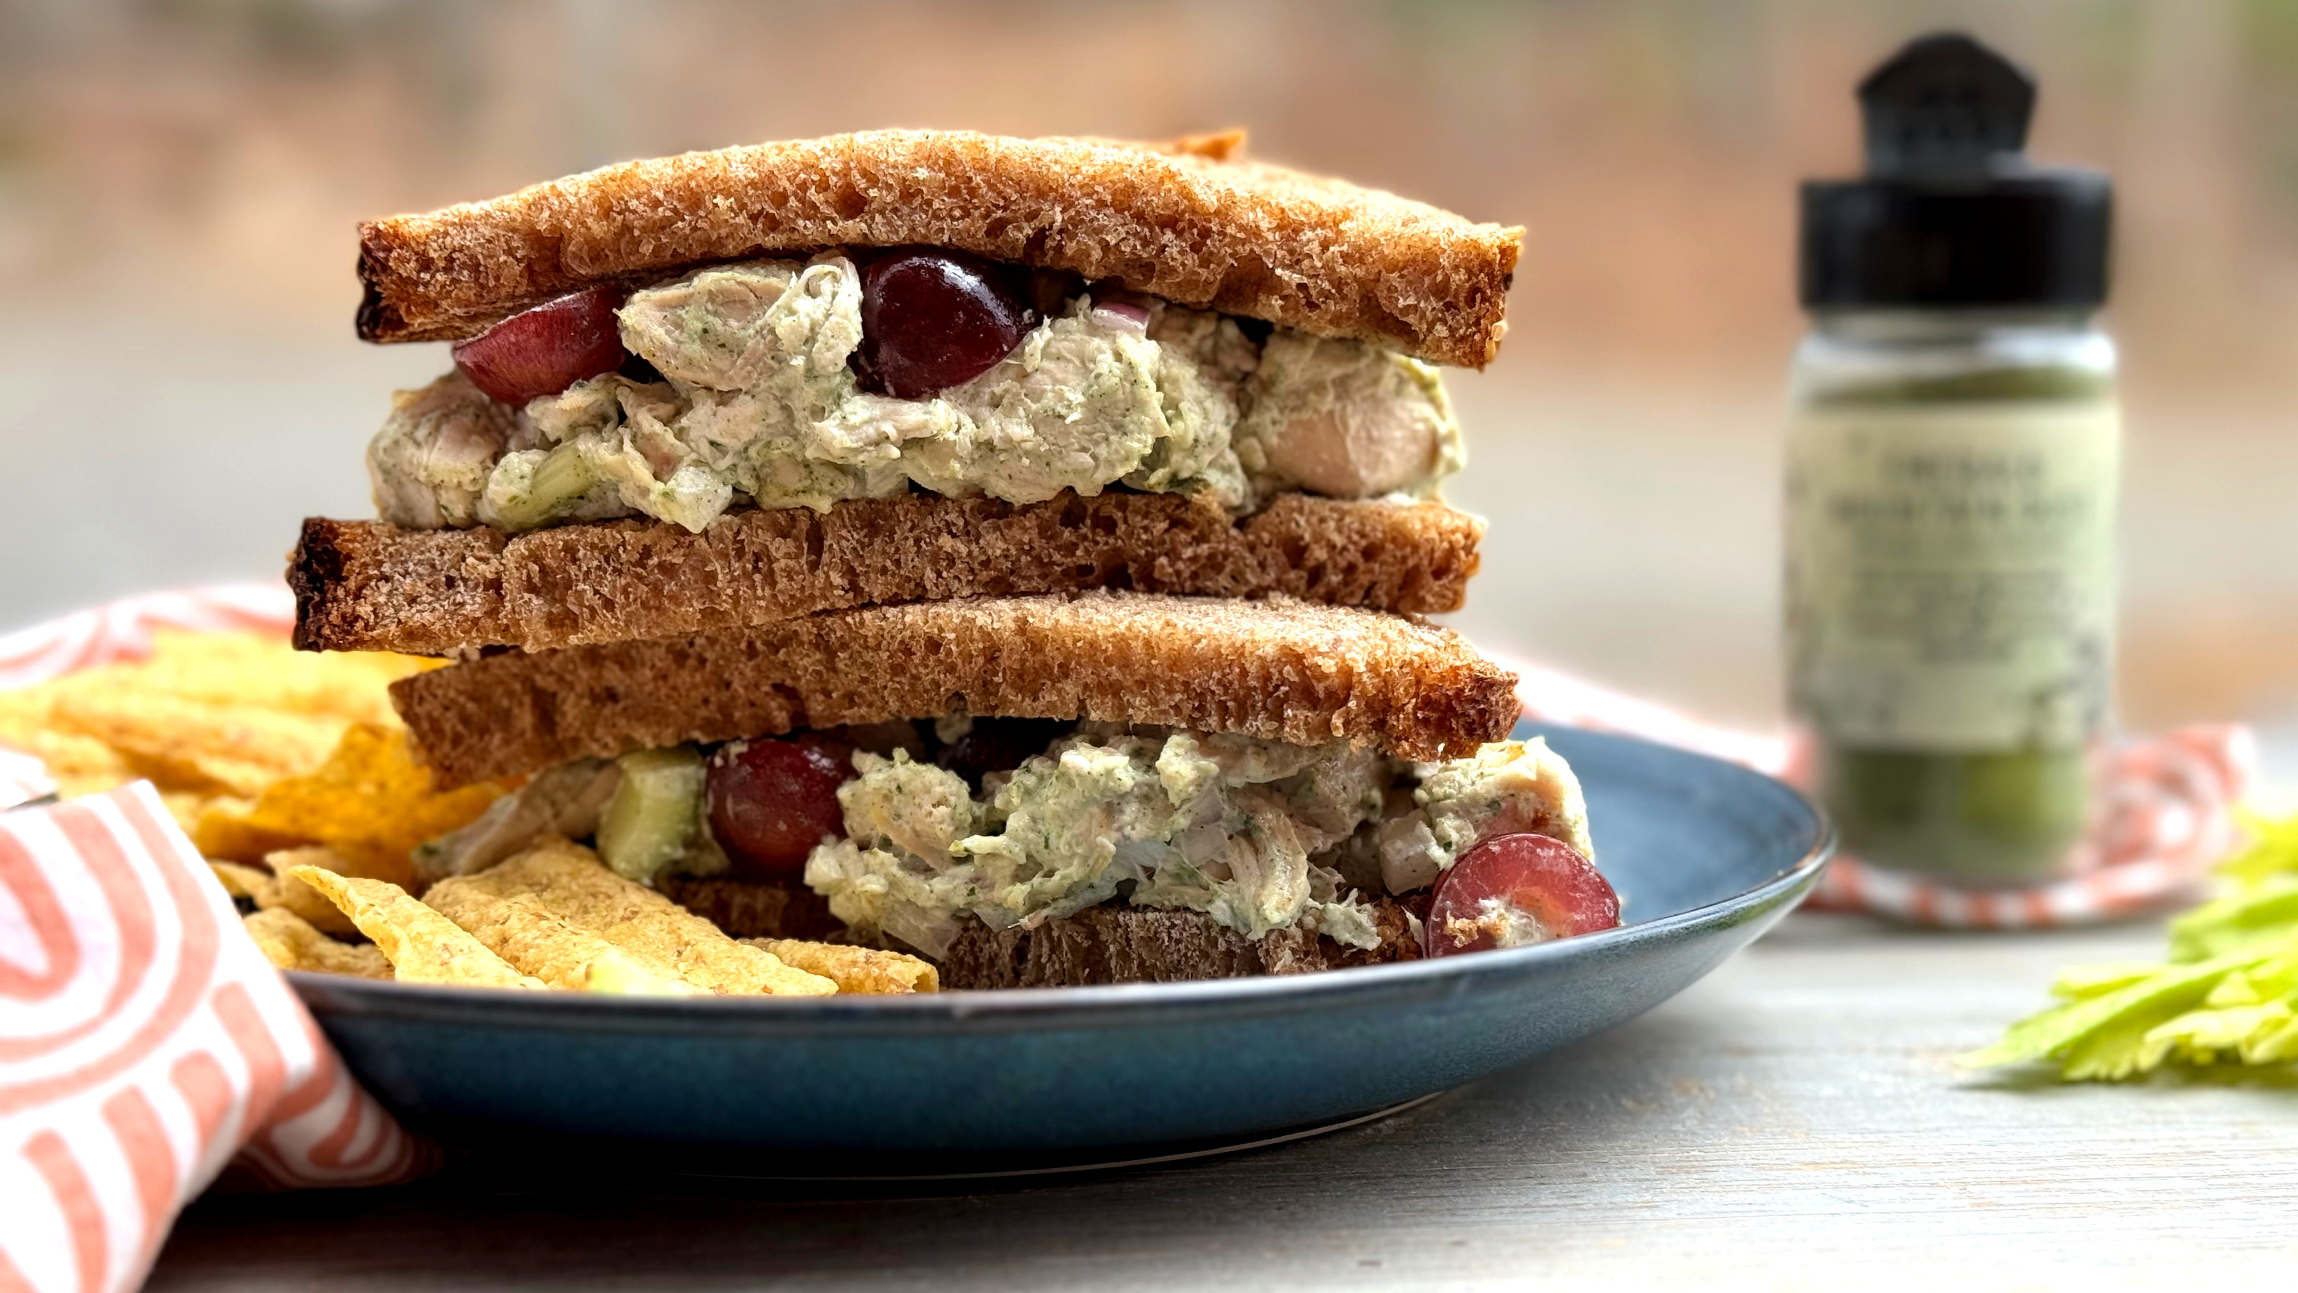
(1004, 550)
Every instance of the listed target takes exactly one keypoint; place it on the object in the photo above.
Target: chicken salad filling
(909, 829)
(760, 383)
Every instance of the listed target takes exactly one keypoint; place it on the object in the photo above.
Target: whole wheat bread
(367, 586)
(754, 908)
(1278, 669)
(1106, 944)
(1115, 944)
(1191, 223)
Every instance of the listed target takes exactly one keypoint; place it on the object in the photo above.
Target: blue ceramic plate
(1706, 855)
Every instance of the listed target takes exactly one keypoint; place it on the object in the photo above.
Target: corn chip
(291, 943)
(422, 945)
(573, 885)
(370, 800)
(192, 745)
(854, 969)
(614, 974)
(518, 928)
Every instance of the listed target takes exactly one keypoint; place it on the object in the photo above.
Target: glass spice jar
(1952, 466)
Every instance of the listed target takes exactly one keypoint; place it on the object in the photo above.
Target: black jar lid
(1950, 213)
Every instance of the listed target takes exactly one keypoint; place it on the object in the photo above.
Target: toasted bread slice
(1277, 669)
(1112, 943)
(367, 586)
(1119, 944)
(753, 908)
(1189, 224)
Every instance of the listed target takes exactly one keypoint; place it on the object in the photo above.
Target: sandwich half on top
(720, 390)
(1047, 790)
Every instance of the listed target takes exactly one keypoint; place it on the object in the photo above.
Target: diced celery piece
(561, 481)
(655, 812)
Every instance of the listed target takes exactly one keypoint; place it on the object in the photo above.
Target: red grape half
(936, 319)
(544, 350)
(1511, 890)
(772, 800)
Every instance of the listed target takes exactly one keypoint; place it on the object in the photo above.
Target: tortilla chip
(23, 710)
(267, 672)
(370, 801)
(192, 745)
(185, 806)
(79, 765)
(518, 928)
(269, 887)
(29, 713)
(308, 902)
(289, 942)
(226, 830)
(249, 882)
(207, 714)
(573, 885)
(616, 975)
(73, 781)
(270, 892)
(855, 969)
(422, 945)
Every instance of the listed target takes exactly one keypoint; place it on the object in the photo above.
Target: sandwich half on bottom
(1053, 790)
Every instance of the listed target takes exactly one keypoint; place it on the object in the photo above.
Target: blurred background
(179, 181)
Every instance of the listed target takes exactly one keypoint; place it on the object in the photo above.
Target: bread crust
(1278, 669)
(368, 586)
(1190, 223)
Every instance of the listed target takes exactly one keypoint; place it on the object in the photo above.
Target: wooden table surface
(1794, 1121)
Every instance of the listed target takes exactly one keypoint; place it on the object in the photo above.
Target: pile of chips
(208, 717)
(293, 775)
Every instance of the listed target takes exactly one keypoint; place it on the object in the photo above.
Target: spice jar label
(1950, 573)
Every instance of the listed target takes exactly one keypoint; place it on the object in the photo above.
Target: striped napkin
(145, 1045)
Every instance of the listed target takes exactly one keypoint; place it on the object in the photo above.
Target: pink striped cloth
(144, 1044)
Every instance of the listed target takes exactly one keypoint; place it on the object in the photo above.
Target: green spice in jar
(1952, 466)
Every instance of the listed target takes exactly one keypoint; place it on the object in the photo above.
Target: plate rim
(1096, 1005)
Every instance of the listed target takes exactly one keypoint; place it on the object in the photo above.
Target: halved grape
(772, 800)
(1513, 890)
(936, 319)
(544, 350)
